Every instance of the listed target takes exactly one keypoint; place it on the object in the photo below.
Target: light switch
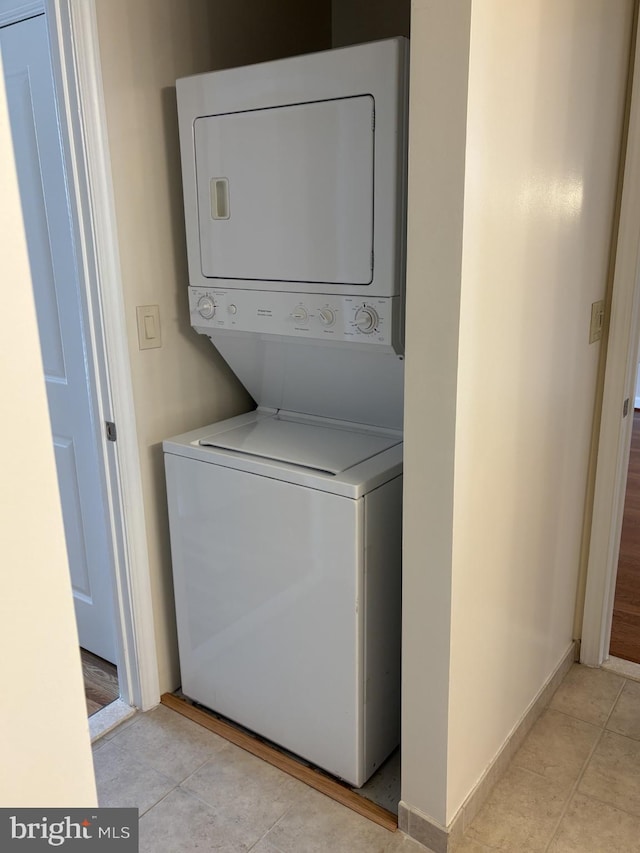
(597, 321)
(148, 326)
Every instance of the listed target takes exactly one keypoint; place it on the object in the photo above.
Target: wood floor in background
(625, 630)
(100, 681)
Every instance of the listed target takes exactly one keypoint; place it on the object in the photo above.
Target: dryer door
(286, 193)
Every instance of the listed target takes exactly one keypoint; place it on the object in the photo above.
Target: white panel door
(286, 194)
(43, 190)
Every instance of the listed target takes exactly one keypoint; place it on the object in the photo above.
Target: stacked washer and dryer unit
(286, 521)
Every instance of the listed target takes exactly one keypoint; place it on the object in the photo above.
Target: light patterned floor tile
(590, 826)
(625, 719)
(520, 814)
(401, 843)
(181, 823)
(123, 782)
(232, 802)
(557, 747)
(264, 846)
(588, 694)
(470, 845)
(245, 790)
(168, 742)
(317, 824)
(613, 774)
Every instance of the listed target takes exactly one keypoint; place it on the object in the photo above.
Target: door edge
(75, 53)
(619, 384)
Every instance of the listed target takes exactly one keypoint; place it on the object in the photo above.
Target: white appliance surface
(286, 521)
(359, 384)
(321, 446)
(301, 203)
(305, 317)
(288, 604)
(294, 172)
(352, 482)
(294, 180)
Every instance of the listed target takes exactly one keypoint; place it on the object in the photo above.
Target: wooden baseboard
(314, 778)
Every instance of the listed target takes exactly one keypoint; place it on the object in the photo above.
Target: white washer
(286, 538)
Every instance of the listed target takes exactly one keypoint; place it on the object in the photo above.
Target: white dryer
(286, 521)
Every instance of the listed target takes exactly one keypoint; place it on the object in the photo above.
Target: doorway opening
(611, 607)
(100, 682)
(625, 623)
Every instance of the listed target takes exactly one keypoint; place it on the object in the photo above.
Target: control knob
(366, 319)
(327, 316)
(300, 314)
(206, 307)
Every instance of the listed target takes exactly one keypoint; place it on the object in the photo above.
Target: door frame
(73, 35)
(623, 345)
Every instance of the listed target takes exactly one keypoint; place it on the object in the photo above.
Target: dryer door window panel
(286, 193)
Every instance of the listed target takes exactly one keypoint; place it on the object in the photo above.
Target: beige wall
(545, 101)
(356, 21)
(145, 45)
(46, 753)
(248, 31)
(543, 149)
(437, 128)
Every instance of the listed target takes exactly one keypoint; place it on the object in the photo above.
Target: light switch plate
(148, 317)
(597, 321)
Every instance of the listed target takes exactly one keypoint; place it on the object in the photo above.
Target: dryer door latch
(111, 430)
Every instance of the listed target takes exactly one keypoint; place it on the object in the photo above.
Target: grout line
(273, 825)
(611, 805)
(573, 790)
(574, 717)
(576, 784)
(161, 800)
(145, 766)
(262, 838)
(617, 699)
(213, 808)
(223, 748)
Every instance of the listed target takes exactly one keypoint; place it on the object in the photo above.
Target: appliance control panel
(304, 315)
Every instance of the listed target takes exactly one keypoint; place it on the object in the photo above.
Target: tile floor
(197, 792)
(573, 786)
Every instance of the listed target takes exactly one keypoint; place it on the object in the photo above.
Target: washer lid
(328, 447)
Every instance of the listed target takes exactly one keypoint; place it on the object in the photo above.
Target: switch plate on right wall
(597, 320)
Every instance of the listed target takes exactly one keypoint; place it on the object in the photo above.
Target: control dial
(300, 314)
(327, 316)
(206, 307)
(366, 319)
